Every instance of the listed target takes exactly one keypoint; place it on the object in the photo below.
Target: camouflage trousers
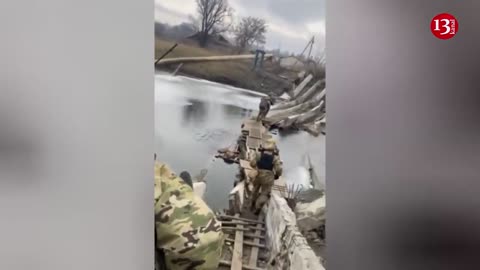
(263, 112)
(186, 229)
(262, 187)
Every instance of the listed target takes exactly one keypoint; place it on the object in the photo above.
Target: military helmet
(269, 144)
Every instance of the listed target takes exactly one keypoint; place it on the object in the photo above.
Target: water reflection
(193, 119)
(231, 110)
(195, 113)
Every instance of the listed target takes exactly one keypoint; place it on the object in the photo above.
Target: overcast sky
(291, 23)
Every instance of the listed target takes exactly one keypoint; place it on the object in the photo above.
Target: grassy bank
(237, 73)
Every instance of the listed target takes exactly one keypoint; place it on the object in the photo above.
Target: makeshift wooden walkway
(244, 243)
(253, 136)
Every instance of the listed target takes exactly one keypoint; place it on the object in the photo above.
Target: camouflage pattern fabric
(271, 145)
(264, 107)
(264, 181)
(187, 230)
(262, 186)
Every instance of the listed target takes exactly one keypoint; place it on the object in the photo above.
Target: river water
(194, 118)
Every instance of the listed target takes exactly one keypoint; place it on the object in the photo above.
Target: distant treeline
(174, 32)
(184, 30)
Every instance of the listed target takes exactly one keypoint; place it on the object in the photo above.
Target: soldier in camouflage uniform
(264, 107)
(269, 167)
(186, 230)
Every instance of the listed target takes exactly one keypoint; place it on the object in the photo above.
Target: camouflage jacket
(187, 230)
(277, 163)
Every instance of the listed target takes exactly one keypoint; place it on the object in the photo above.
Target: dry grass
(182, 50)
(236, 73)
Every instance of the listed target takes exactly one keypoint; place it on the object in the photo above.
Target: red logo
(444, 26)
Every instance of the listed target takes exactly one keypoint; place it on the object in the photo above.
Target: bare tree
(250, 31)
(213, 16)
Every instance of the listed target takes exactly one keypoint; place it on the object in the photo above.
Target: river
(194, 118)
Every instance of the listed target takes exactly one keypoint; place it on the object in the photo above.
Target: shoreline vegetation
(237, 73)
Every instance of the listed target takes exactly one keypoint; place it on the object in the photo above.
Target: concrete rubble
(310, 215)
(304, 110)
(289, 248)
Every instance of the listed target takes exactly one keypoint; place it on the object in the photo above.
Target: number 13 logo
(444, 26)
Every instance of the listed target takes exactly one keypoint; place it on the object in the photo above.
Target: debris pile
(311, 223)
(304, 109)
(228, 155)
(294, 216)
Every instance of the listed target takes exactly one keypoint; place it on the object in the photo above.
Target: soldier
(264, 107)
(269, 168)
(187, 234)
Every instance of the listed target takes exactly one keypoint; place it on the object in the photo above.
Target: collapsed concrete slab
(310, 215)
(289, 248)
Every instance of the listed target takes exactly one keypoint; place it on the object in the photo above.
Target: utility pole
(312, 41)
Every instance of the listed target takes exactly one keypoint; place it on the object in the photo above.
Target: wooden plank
(255, 133)
(248, 243)
(235, 229)
(235, 222)
(246, 267)
(236, 217)
(302, 85)
(253, 142)
(240, 229)
(249, 124)
(247, 235)
(254, 250)
(237, 254)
